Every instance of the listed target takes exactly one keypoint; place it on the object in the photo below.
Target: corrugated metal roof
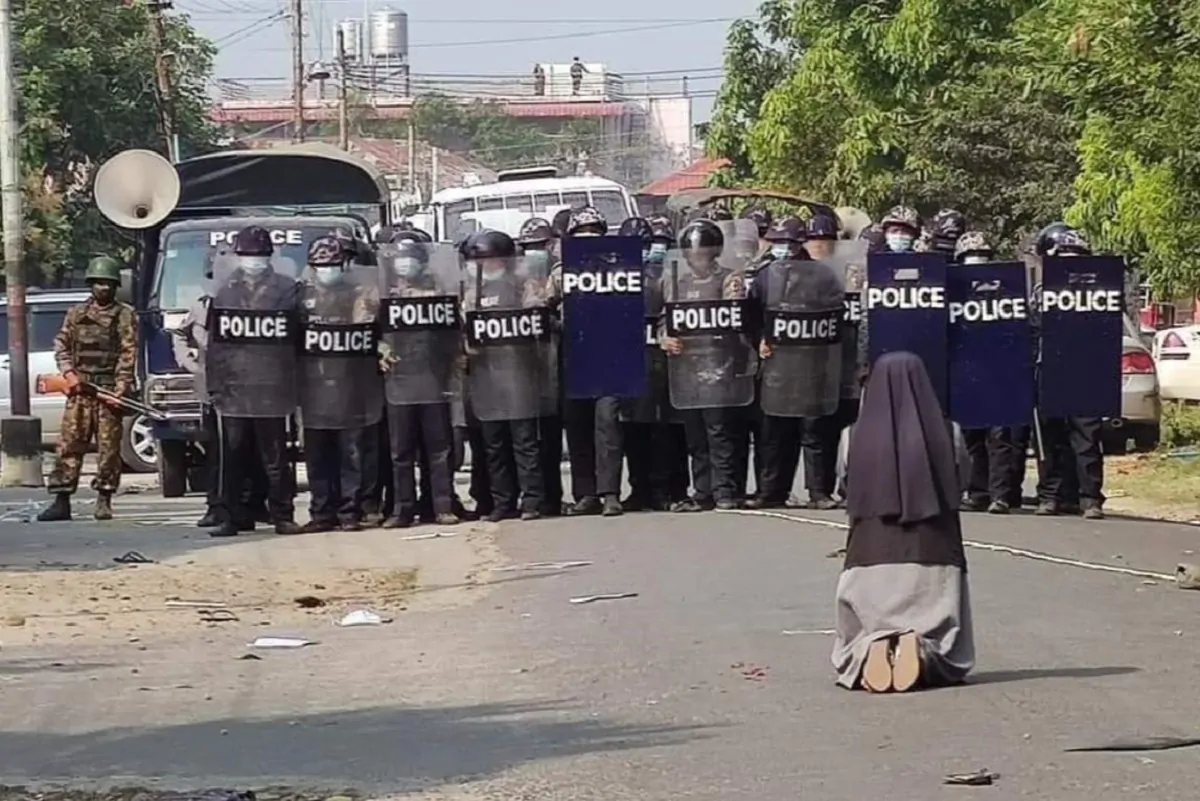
(693, 176)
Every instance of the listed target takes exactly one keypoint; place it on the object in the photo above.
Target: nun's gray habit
(903, 609)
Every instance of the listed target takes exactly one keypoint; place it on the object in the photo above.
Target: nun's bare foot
(906, 663)
(877, 671)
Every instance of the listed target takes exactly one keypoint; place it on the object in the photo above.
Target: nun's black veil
(901, 465)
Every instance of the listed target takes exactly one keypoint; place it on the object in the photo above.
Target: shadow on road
(20, 667)
(1025, 674)
(398, 748)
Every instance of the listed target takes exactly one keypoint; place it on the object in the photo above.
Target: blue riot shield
(990, 345)
(906, 310)
(604, 337)
(1082, 306)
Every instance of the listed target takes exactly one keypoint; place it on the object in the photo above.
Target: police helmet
(412, 234)
(328, 251)
(822, 226)
(385, 234)
(253, 240)
(561, 221)
(873, 236)
(761, 218)
(661, 230)
(972, 243)
(717, 214)
(103, 268)
(701, 234)
(586, 219)
(490, 244)
(412, 249)
(464, 244)
(948, 224)
(904, 216)
(535, 231)
(1059, 238)
(789, 229)
(637, 226)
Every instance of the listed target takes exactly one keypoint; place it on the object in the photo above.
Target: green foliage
(482, 132)
(1180, 426)
(1014, 111)
(87, 91)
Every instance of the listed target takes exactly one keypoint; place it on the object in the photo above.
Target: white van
(518, 195)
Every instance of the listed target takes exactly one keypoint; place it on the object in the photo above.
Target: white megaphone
(136, 189)
(853, 220)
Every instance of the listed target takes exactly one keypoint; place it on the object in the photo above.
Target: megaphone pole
(20, 434)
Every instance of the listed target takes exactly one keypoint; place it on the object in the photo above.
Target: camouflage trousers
(87, 418)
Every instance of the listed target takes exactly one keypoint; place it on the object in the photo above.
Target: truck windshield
(181, 275)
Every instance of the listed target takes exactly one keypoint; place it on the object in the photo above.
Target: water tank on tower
(352, 36)
(389, 36)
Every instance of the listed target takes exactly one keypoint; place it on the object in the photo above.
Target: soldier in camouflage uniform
(97, 344)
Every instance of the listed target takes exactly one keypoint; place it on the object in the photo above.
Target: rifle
(56, 384)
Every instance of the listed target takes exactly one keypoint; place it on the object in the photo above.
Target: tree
(87, 91)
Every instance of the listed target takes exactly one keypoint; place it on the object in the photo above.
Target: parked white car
(1177, 351)
(47, 309)
(1139, 426)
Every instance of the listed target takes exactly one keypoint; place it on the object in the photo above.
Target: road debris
(1149, 744)
(980, 778)
(837, 553)
(437, 535)
(1187, 576)
(363, 617)
(310, 602)
(280, 642)
(179, 603)
(217, 616)
(808, 631)
(612, 596)
(540, 566)
(133, 558)
(750, 672)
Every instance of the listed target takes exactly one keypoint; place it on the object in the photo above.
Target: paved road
(509, 691)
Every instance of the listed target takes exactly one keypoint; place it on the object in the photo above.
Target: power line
(551, 37)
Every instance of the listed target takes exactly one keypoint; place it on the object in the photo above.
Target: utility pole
(298, 77)
(20, 434)
(343, 122)
(162, 76)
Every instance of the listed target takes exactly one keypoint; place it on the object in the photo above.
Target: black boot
(58, 510)
(210, 519)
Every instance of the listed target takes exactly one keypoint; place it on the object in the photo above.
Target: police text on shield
(906, 297)
(278, 237)
(1083, 301)
(805, 328)
(340, 340)
(603, 282)
(420, 314)
(252, 326)
(705, 317)
(988, 310)
(507, 326)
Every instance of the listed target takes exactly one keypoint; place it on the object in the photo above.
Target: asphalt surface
(714, 682)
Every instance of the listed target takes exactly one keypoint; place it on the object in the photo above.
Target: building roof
(284, 110)
(693, 176)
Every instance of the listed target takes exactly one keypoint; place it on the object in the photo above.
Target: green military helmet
(103, 268)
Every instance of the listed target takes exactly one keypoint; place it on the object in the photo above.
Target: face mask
(701, 266)
(780, 251)
(493, 272)
(405, 267)
(328, 276)
(975, 259)
(535, 261)
(103, 292)
(254, 266)
(899, 243)
(657, 253)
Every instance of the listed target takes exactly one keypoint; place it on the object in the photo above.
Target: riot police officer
(655, 446)
(422, 352)
(538, 253)
(1072, 460)
(592, 425)
(339, 349)
(250, 366)
(710, 368)
(944, 231)
(468, 431)
(901, 228)
(511, 370)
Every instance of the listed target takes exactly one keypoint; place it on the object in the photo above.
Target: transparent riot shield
(653, 405)
(511, 358)
(339, 383)
(804, 303)
(742, 246)
(603, 337)
(705, 322)
(849, 258)
(250, 363)
(420, 323)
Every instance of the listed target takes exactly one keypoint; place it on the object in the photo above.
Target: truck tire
(173, 467)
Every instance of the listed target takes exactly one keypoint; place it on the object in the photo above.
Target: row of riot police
(680, 355)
